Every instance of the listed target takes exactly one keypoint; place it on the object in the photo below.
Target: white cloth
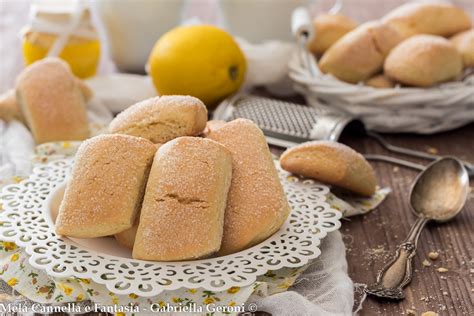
(267, 65)
(16, 148)
(133, 89)
(324, 289)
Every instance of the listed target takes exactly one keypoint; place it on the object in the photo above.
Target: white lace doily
(26, 220)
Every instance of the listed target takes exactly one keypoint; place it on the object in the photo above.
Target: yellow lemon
(80, 53)
(200, 60)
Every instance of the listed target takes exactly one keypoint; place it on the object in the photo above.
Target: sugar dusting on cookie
(106, 185)
(257, 205)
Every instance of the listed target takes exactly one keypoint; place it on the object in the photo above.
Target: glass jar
(62, 29)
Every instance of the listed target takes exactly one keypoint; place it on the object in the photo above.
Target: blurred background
(128, 29)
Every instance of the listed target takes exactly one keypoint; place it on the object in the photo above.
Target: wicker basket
(394, 110)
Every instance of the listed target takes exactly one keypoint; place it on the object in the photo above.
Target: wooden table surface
(371, 239)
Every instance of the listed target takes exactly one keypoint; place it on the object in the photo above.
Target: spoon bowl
(441, 190)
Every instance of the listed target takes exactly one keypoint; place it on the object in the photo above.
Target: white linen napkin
(16, 148)
(324, 288)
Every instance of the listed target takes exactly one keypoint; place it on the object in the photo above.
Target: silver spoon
(439, 193)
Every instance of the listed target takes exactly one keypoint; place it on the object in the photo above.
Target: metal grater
(284, 123)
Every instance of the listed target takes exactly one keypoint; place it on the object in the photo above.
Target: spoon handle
(396, 161)
(397, 273)
(414, 153)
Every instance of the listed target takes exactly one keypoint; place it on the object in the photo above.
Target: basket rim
(302, 75)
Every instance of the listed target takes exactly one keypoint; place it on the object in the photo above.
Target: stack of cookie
(417, 44)
(170, 192)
